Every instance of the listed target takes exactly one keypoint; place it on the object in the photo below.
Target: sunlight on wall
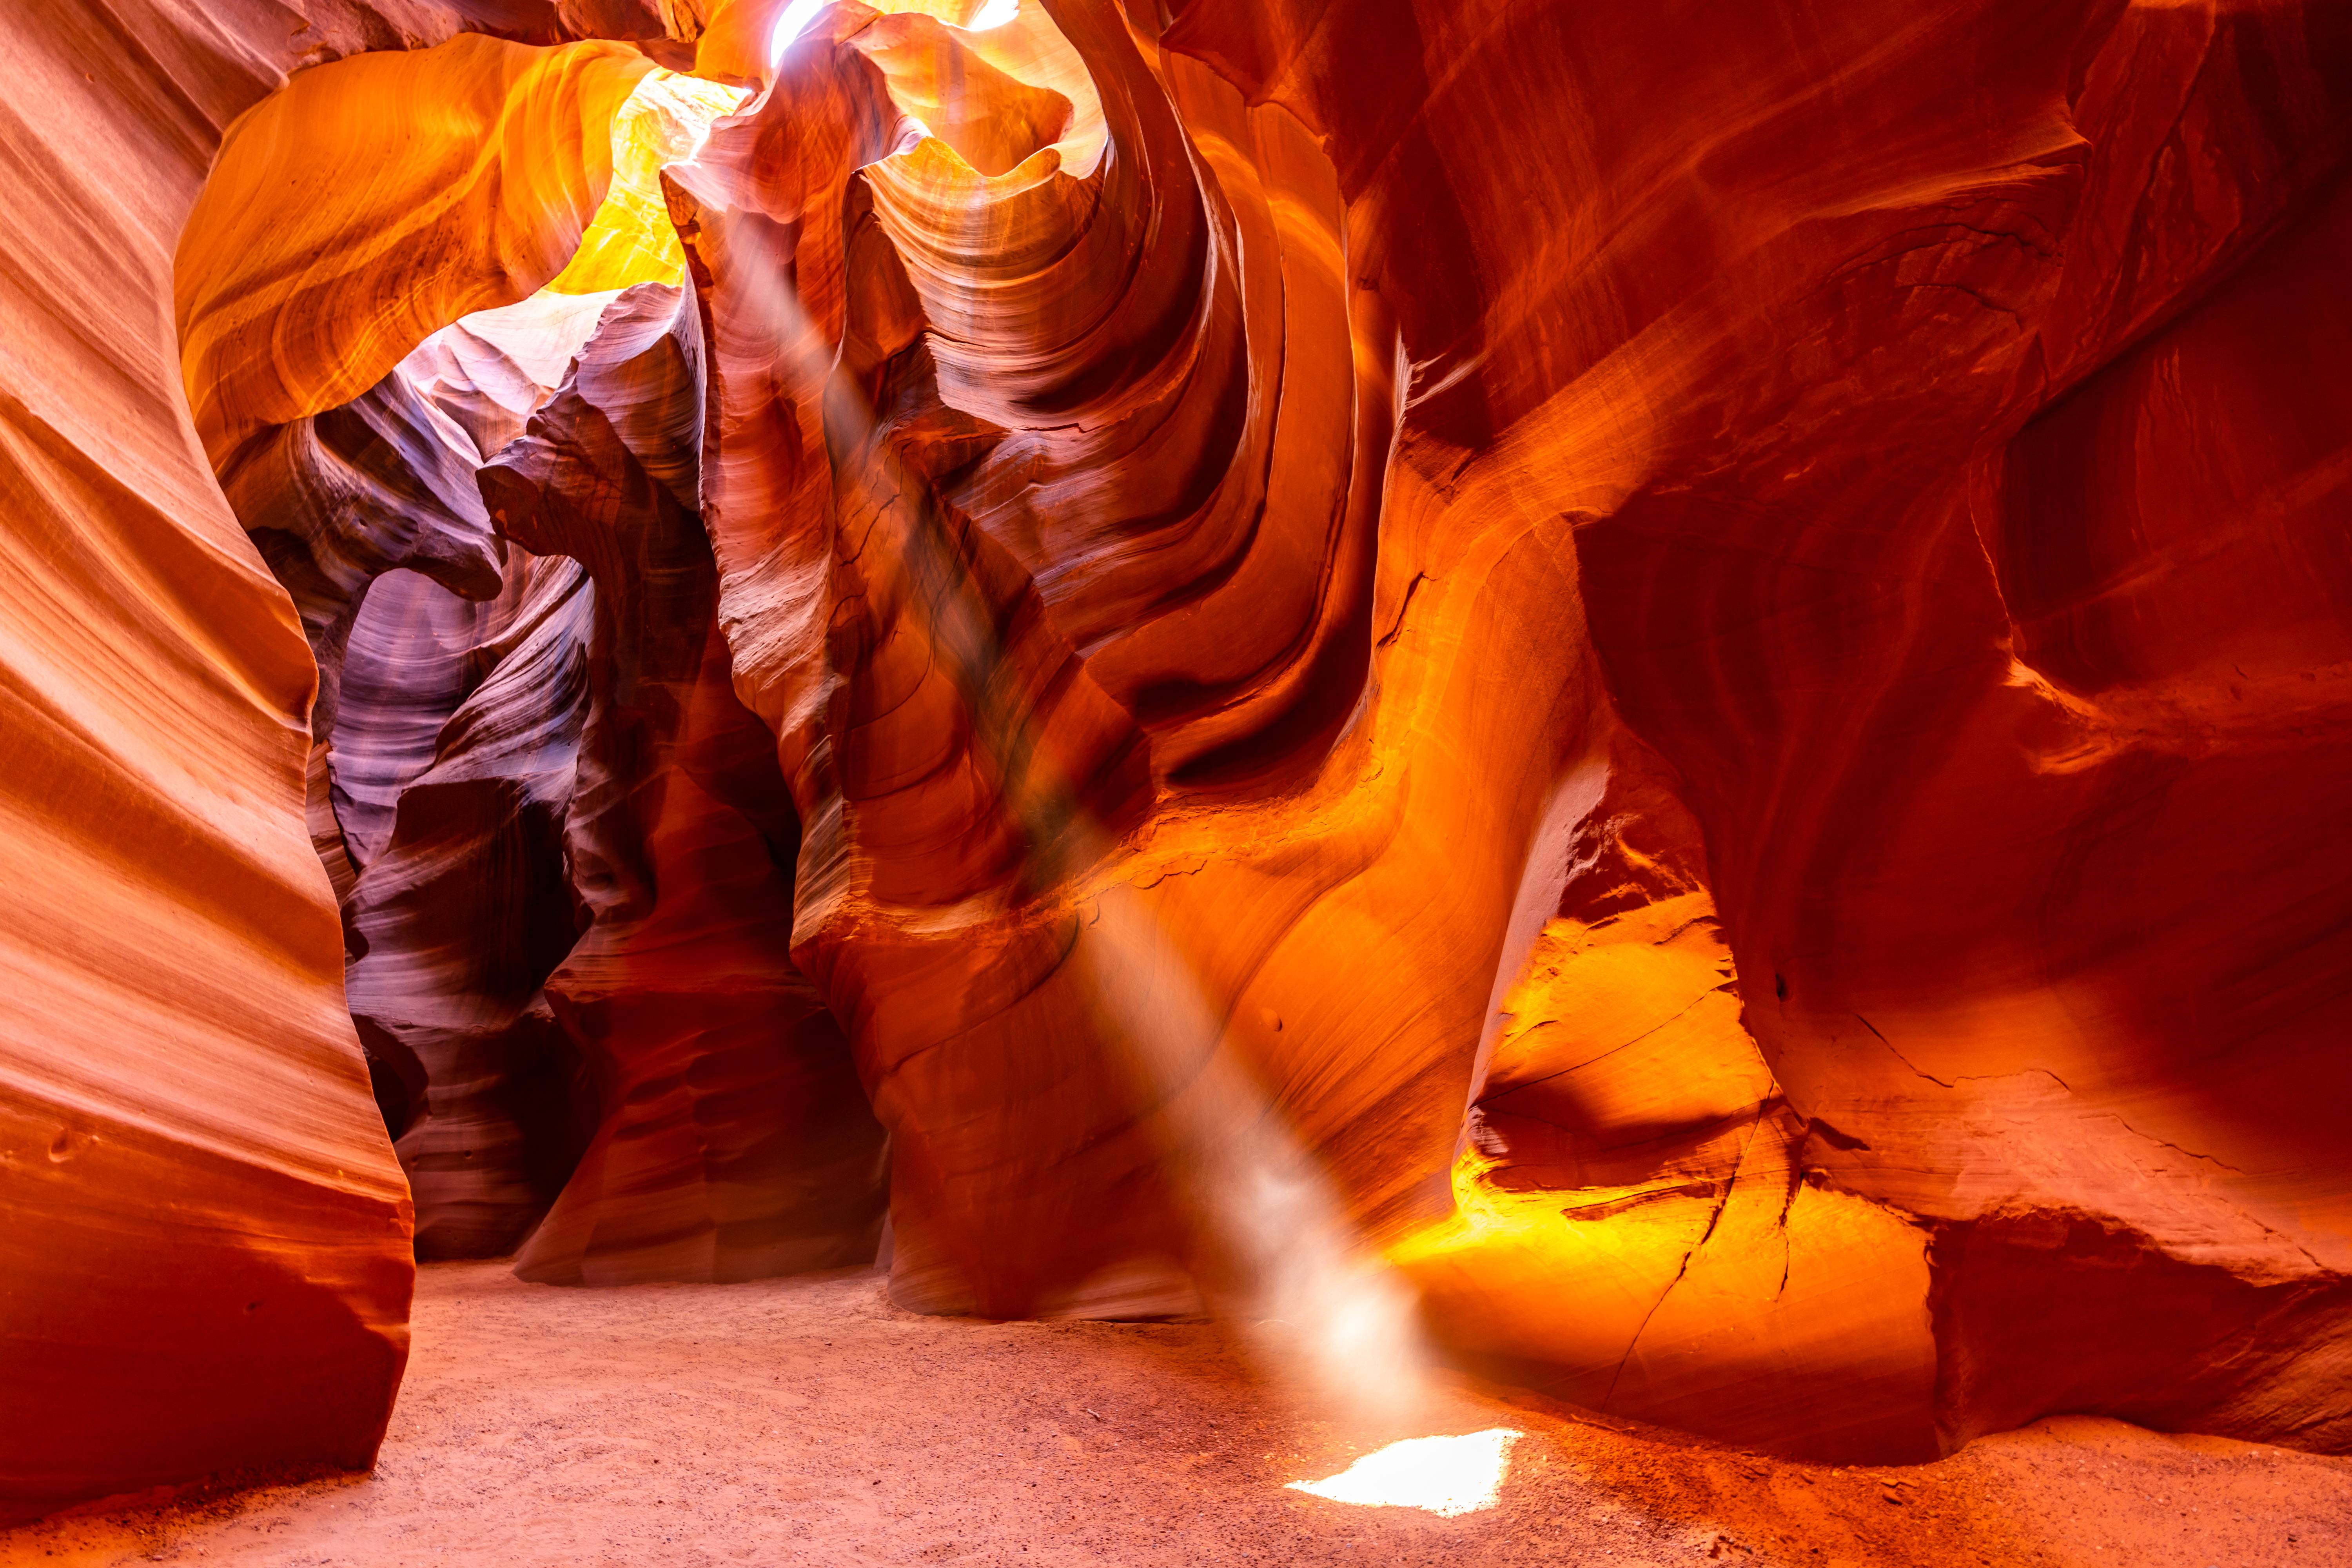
(665, 120)
(795, 16)
(1443, 1476)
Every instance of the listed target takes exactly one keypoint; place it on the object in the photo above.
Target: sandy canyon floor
(807, 1421)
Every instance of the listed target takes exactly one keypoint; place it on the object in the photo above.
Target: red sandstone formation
(735, 1141)
(1710, 643)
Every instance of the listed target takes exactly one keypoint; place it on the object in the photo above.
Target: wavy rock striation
(205, 1240)
(1686, 665)
(1824, 374)
(734, 1139)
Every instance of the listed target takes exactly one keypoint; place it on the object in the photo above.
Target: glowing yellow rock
(376, 200)
(631, 239)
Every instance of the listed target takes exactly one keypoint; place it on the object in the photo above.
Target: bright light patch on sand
(1445, 1476)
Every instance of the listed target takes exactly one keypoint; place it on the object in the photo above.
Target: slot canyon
(1166, 782)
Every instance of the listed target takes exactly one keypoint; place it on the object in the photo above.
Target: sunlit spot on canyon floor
(809, 1421)
(1443, 1476)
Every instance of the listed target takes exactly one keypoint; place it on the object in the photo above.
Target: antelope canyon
(1145, 782)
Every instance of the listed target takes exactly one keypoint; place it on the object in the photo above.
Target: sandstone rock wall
(204, 1260)
(1701, 648)
(1849, 347)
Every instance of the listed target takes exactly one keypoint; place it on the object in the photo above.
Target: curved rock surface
(338, 231)
(1764, 401)
(1990, 864)
(733, 1141)
(1685, 665)
(203, 1237)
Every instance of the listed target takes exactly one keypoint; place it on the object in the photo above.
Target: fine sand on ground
(807, 1421)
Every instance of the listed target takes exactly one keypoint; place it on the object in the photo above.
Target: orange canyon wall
(1708, 645)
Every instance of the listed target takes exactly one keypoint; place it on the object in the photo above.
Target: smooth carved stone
(1638, 1230)
(456, 922)
(978, 751)
(1669, 431)
(438, 798)
(452, 783)
(337, 499)
(735, 1141)
(1709, 683)
(339, 229)
(205, 1240)
(2012, 800)
(630, 240)
(492, 370)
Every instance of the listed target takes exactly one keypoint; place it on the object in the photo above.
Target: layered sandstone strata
(1700, 650)
(205, 1240)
